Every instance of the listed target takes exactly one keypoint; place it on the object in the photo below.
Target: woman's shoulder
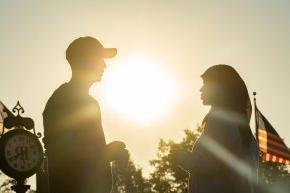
(222, 119)
(220, 123)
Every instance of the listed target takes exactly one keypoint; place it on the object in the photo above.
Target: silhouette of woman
(225, 157)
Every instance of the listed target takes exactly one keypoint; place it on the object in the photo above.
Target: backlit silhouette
(78, 156)
(225, 158)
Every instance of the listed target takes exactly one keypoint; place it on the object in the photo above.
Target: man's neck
(83, 85)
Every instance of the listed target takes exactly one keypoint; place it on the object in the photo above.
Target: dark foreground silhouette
(223, 160)
(225, 157)
(78, 156)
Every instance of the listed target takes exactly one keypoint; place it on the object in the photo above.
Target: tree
(274, 176)
(271, 173)
(5, 186)
(7, 183)
(129, 179)
(168, 177)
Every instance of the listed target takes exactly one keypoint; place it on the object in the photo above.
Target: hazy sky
(182, 38)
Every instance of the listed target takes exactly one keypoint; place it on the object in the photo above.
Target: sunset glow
(151, 89)
(138, 89)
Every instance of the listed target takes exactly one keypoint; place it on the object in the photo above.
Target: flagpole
(256, 124)
(256, 128)
(255, 110)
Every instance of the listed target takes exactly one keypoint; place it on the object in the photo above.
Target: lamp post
(20, 149)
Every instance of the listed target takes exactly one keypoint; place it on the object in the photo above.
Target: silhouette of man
(78, 156)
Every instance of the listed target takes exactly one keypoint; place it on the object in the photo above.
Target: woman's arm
(218, 146)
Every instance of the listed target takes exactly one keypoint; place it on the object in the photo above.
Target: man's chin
(98, 79)
(204, 102)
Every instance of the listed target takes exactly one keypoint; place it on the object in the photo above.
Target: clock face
(22, 153)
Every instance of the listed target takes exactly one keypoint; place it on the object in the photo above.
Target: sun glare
(138, 90)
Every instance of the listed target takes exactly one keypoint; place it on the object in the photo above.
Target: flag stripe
(274, 151)
(264, 142)
(273, 158)
(270, 143)
(275, 143)
(263, 133)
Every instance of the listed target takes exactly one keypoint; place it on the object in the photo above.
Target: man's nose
(104, 65)
(201, 89)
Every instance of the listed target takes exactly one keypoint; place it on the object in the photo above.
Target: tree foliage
(6, 184)
(168, 177)
(274, 176)
(129, 179)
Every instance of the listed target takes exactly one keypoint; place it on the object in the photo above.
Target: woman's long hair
(234, 97)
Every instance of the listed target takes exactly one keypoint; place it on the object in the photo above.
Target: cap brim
(109, 52)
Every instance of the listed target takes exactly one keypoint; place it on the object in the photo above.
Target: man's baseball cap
(84, 47)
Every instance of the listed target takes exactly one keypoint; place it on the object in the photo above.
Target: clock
(21, 153)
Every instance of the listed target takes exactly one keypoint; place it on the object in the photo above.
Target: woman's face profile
(210, 92)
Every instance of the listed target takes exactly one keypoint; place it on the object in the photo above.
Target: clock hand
(12, 158)
(20, 151)
(24, 153)
(23, 156)
(15, 157)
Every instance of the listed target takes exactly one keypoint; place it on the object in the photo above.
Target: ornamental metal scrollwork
(19, 122)
(18, 108)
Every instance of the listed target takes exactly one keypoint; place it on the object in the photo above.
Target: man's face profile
(90, 68)
(86, 56)
(94, 68)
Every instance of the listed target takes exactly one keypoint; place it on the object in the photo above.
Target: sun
(138, 89)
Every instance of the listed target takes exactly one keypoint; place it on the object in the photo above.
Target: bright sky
(171, 42)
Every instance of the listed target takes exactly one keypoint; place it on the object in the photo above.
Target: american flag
(4, 112)
(271, 145)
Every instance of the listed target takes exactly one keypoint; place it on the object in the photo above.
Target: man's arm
(116, 151)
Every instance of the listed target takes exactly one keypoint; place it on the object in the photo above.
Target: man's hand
(123, 158)
(116, 152)
(115, 146)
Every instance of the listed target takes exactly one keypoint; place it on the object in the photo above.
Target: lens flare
(138, 90)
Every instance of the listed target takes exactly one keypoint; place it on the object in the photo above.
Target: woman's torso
(236, 164)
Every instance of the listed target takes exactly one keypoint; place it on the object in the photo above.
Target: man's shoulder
(67, 96)
(58, 97)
